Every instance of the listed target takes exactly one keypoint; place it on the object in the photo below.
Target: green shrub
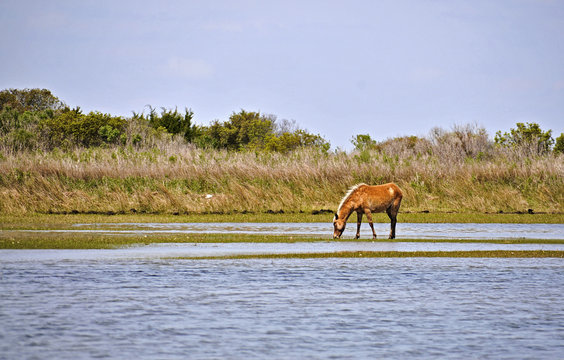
(29, 100)
(136, 139)
(529, 136)
(244, 130)
(109, 134)
(253, 131)
(363, 142)
(287, 142)
(72, 127)
(559, 147)
(171, 121)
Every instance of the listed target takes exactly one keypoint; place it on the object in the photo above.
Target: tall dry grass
(442, 173)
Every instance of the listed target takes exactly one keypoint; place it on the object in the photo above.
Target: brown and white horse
(366, 199)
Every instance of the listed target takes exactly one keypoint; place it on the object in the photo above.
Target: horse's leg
(369, 217)
(358, 222)
(392, 214)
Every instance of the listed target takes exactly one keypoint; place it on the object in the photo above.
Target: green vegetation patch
(58, 240)
(395, 254)
(17, 239)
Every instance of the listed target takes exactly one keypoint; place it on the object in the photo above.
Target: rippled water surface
(137, 302)
(404, 230)
(284, 309)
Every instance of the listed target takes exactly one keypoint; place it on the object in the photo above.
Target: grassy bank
(57, 240)
(182, 179)
(397, 254)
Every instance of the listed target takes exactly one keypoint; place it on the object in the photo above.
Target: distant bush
(72, 128)
(29, 100)
(289, 141)
(364, 142)
(172, 121)
(253, 131)
(559, 146)
(21, 112)
(246, 130)
(462, 142)
(412, 144)
(20, 130)
(459, 144)
(528, 136)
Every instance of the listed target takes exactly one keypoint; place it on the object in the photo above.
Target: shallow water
(404, 230)
(169, 250)
(284, 309)
(138, 302)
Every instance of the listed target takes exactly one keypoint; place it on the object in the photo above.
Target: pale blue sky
(339, 68)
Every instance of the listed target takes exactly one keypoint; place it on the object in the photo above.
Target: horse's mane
(348, 194)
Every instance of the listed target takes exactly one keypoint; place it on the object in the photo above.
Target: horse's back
(379, 197)
(390, 190)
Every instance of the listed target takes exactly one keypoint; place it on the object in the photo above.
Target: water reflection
(404, 230)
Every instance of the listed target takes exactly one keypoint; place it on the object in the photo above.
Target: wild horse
(366, 199)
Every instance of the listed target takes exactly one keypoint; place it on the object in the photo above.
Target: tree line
(470, 141)
(36, 119)
(32, 119)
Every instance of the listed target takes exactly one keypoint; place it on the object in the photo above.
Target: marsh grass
(182, 179)
(17, 239)
(395, 254)
(30, 240)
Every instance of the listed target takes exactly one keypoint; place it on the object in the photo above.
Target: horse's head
(338, 226)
